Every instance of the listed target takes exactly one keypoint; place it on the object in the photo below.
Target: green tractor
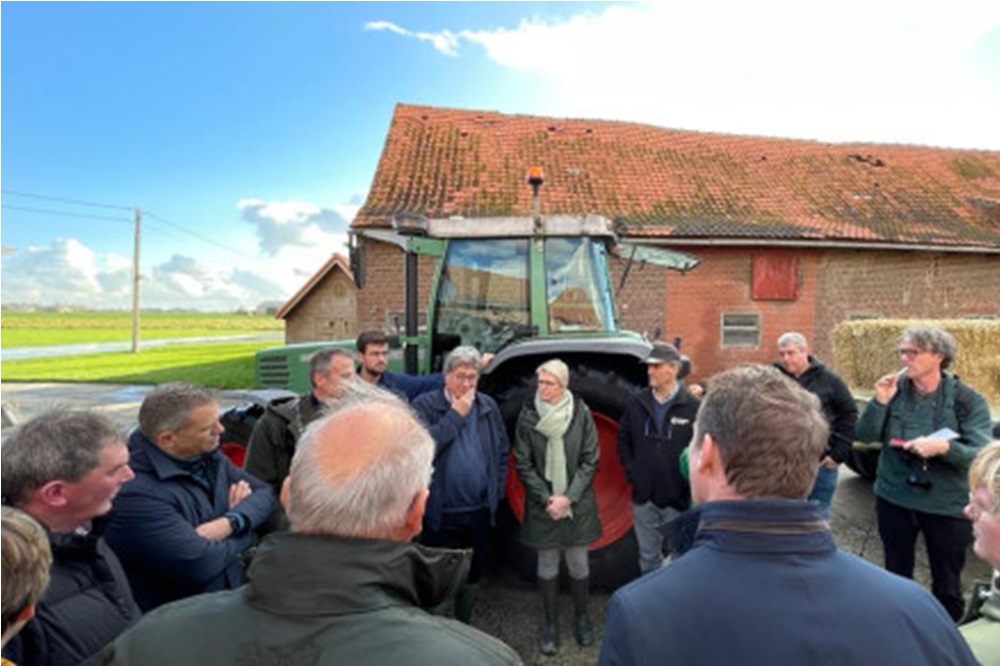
(525, 289)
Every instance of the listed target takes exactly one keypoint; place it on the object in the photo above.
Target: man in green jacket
(931, 425)
(272, 442)
(346, 585)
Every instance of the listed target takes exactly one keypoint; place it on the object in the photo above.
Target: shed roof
(684, 186)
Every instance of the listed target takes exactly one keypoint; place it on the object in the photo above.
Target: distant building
(326, 306)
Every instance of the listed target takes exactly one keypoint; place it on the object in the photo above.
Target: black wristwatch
(235, 524)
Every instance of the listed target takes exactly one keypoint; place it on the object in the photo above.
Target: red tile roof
(335, 261)
(682, 185)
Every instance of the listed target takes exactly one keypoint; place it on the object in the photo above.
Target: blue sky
(248, 133)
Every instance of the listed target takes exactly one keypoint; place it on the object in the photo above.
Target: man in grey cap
(656, 426)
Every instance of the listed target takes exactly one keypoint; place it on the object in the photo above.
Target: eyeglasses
(467, 378)
(909, 352)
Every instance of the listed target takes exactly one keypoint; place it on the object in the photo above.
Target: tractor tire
(614, 556)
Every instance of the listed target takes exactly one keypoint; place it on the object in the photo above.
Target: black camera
(918, 472)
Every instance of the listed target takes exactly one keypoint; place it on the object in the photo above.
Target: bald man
(346, 584)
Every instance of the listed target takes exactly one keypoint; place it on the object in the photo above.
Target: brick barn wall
(383, 292)
(641, 302)
(905, 285)
(834, 285)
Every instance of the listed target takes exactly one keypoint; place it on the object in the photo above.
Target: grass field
(33, 329)
(224, 365)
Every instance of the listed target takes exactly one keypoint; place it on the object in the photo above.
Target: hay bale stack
(864, 350)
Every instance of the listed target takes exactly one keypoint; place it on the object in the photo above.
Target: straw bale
(864, 350)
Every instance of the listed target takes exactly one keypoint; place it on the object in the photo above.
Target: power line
(204, 239)
(80, 202)
(64, 213)
(65, 200)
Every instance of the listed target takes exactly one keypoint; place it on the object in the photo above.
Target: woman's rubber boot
(583, 630)
(548, 635)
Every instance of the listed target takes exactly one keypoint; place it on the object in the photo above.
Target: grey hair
(373, 499)
(770, 431)
(793, 338)
(464, 355)
(934, 340)
(57, 445)
(168, 407)
(557, 369)
(320, 361)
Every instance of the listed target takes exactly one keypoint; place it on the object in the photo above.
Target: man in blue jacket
(764, 582)
(470, 466)
(181, 526)
(373, 364)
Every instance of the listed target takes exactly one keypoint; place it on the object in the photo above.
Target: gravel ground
(510, 607)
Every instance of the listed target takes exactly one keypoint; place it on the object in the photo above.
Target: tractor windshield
(483, 292)
(578, 293)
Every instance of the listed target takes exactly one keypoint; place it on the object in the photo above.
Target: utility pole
(135, 283)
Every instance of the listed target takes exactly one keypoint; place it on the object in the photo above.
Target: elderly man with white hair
(345, 585)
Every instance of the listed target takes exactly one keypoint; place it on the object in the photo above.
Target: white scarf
(553, 422)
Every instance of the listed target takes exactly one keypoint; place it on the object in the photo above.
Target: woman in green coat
(556, 453)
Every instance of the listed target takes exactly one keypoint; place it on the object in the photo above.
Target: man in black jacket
(838, 407)
(63, 468)
(655, 427)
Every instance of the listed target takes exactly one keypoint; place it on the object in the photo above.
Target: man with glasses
(470, 466)
(657, 424)
(931, 426)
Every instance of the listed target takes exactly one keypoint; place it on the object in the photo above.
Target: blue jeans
(648, 520)
(824, 487)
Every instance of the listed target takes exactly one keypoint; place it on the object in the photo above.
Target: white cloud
(289, 223)
(444, 41)
(295, 240)
(913, 72)
(64, 272)
(69, 273)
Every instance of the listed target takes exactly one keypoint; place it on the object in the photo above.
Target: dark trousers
(466, 529)
(946, 538)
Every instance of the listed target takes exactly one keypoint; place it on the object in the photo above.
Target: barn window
(740, 329)
(775, 277)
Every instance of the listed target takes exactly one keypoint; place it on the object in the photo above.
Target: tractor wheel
(614, 556)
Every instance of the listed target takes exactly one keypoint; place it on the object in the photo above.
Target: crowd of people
(357, 530)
